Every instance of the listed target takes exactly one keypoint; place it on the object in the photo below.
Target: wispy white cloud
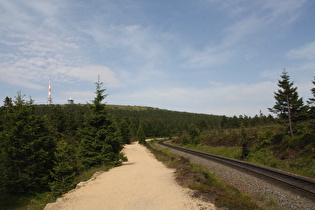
(215, 83)
(91, 72)
(288, 9)
(252, 21)
(208, 57)
(34, 62)
(271, 74)
(35, 51)
(135, 41)
(305, 52)
(35, 15)
(234, 99)
(19, 75)
(242, 29)
(272, 9)
(46, 9)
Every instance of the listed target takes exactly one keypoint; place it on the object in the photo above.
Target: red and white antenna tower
(49, 99)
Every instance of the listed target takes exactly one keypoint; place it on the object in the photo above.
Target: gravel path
(140, 183)
(263, 192)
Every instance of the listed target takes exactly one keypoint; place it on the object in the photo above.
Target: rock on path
(140, 183)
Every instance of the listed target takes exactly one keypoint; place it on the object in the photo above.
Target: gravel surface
(141, 183)
(264, 193)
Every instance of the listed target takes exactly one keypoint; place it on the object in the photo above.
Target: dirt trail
(140, 183)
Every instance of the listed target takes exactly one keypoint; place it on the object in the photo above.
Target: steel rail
(297, 184)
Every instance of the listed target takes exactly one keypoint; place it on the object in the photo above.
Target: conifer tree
(311, 102)
(245, 149)
(288, 105)
(100, 137)
(25, 148)
(56, 118)
(7, 102)
(195, 134)
(141, 135)
(125, 132)
(65, 167)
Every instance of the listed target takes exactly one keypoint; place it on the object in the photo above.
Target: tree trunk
(289, 115)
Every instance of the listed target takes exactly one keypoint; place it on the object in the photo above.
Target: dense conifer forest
(44, 147)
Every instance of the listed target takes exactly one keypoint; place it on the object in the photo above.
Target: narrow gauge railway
(298, 185)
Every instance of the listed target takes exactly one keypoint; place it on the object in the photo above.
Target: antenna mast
(49, 99)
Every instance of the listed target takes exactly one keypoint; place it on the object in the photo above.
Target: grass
(34, 202)
(303, 165)
(206, 184)
(271, 203)
(39, 201)
(86, 175)
(230, 152)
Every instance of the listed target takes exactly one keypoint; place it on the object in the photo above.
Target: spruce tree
(245, 149)
(311, 102)
(195, 134)
(26, 149)
(7, 102)
(288, 105)
(125, 132)
(100, 137)
(65, 167)
(56, 118)
(141, 135)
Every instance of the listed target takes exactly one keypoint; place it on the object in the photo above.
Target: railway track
(294, 183)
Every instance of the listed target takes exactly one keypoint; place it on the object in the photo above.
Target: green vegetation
(230, 152)
(100, 136)
(267, 145)
(245, 149)
(45, 148)
(39, 200)
(160, 123)
(141, 135)
(65, 167)
(26, 148)
(289, 106)
(206, 184)
(286, 143)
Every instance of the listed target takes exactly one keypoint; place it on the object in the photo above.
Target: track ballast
(298, 185)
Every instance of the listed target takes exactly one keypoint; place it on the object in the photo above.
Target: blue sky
(219, 57)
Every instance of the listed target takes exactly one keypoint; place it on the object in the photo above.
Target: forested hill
(155, 122)
(160, 122)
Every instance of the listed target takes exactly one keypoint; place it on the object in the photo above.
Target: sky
(221, 57)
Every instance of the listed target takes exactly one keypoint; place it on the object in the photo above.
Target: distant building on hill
(70, 101)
